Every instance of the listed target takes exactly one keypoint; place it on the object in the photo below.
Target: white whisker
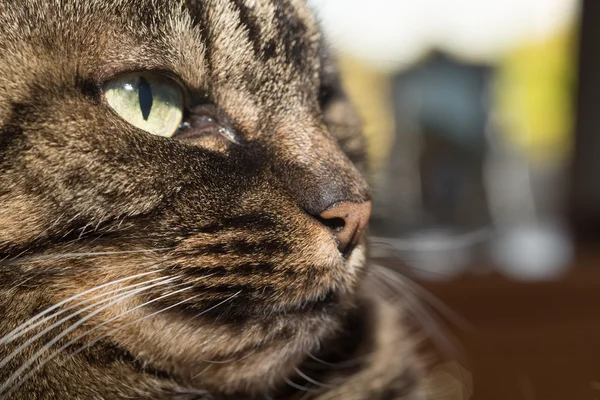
(300, 387)
(103, 268)
(112, 332)
(151, 315)
(83, 230)
(446, 341)
(338, 365)
(309, 379)
(218, 304)
(201, 372)
(82, 348)
(95, 253)
(450, 243)
(436, 330)
(7, 338)
(431, 299)
(39, 235)
(101, 296)
(229, 360)
(32, 359)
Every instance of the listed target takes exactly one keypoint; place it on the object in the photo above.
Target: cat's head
(192, 167)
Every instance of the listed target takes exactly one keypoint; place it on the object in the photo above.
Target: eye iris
(145, 97)
(146, 100)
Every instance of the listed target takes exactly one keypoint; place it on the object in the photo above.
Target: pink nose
(347, 221)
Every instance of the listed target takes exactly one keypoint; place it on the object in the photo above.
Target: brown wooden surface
(531, 341)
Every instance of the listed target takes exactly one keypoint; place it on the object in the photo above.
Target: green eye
(148, 101)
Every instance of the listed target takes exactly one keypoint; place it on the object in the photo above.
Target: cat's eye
(149, 101)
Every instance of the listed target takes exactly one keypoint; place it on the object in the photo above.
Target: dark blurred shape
(441, 110)
(585, 187)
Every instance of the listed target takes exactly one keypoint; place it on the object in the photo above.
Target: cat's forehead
(260, 46)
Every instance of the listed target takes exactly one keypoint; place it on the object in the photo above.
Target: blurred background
(482, 129)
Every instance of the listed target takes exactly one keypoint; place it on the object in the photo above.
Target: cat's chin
(249, 357)
(249, 346)
(258, 370)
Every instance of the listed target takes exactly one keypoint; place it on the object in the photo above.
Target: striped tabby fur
(175, 270)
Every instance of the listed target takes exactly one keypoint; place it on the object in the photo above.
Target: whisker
(62, 311)
(4, 339)
(39, 235)
(407, 267)
(23, 282)
(382, 280)
(218, 304)
(97, 339)
(300, 387)
(338, 365)
(352, 362)
(437, 304)
(201, 372)
(83, 230)
(32, 359)
(103, 268)
(445, 341)
(164, 309)
(428, 322)
(211, 362)
(230, 360)
(89, 254)
(112, 332)
(309, 379)
(455, 242)
(58, 351)
(210, 309)
(6, 359)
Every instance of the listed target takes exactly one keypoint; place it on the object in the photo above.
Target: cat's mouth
(328, 299)
(337, 291)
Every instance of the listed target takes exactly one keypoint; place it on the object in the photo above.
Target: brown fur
(87, 199)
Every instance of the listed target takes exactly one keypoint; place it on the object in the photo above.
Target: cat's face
(224, 240)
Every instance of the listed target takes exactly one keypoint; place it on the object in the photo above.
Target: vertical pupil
(145, 97)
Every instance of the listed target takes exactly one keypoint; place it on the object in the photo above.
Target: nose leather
(347, 220)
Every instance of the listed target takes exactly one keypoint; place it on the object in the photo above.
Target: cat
(183, 209)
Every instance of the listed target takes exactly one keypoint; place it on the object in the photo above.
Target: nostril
(335, 224)
(347, 221)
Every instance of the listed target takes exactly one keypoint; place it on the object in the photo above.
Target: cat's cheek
(21, 221)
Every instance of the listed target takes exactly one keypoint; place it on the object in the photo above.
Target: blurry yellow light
(534, 94)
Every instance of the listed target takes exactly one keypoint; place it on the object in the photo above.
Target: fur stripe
(250, 23)
(199, 12)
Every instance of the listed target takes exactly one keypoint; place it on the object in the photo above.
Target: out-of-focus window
(468, 109)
